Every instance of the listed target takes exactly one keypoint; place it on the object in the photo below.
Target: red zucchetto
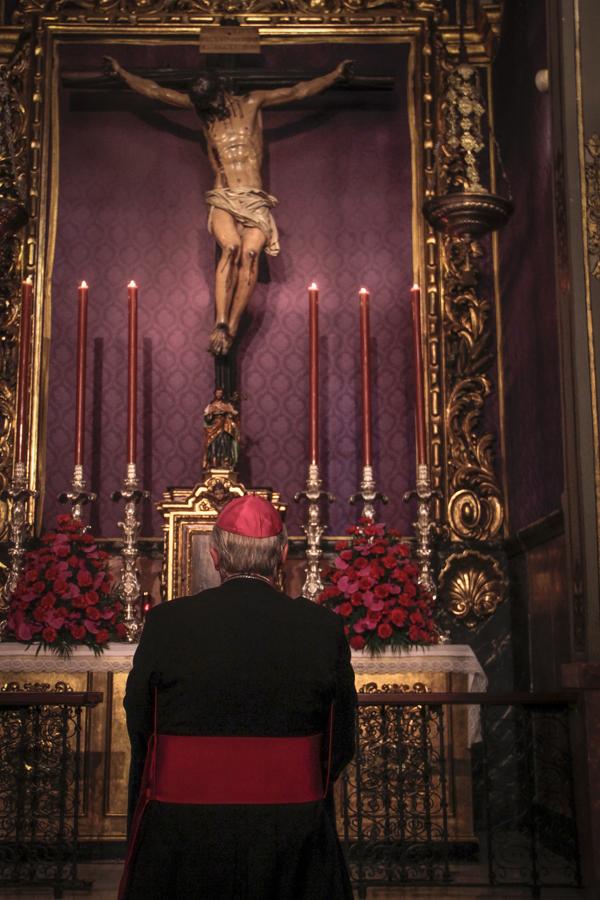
(250, 516)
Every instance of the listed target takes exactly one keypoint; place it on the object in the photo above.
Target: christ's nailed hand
(345, 70)
(111, 66)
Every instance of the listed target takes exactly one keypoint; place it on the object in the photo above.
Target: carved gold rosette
(473, 585)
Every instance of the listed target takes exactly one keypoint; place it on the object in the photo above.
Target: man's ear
(284, 552)
(215, 557)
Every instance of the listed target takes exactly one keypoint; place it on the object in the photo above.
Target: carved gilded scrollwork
(133, 8)
(592, 176)
(475, 508)
(373, 687)
(461, 109)
(191, 513)
(13, 215)
(463, 210)
(473, 585)
(461, 205)
(38, 687)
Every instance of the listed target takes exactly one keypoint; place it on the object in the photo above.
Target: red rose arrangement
(373, 586)
(65, 595)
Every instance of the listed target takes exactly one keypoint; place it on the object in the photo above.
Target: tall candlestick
(415, 296)
(23, 372)
(81, 366)
(365, 377)
(132, 376)
(313, 343)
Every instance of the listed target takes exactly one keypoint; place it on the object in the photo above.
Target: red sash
(221, 770)
(228, 770)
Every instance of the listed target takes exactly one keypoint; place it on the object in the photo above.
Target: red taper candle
(23, 372)
(365, 377)
(81, 367)
(132, 292)
(313, 382)
(415, 297)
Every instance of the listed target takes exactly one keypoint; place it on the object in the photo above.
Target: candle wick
(28, 280)
(83, 284)
(415, 287)
(363, 291)
(132, 284)
(313, 287)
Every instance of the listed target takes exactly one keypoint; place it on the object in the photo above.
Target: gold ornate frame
(188, 521)
(456, 319)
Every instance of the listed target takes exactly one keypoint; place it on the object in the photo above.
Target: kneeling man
(240, 710)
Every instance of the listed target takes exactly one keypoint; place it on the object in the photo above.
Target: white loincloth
(251, 208)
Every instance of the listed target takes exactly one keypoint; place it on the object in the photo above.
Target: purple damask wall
(534, 459)
(132, 178)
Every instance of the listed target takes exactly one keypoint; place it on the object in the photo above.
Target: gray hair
(240, 555)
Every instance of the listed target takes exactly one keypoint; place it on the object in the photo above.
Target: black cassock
(240, 660)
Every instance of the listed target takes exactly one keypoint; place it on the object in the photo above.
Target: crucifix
(240, 212)
(229, 106)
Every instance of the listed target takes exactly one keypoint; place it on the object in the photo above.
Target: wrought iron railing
(399, 814)
(40, 769)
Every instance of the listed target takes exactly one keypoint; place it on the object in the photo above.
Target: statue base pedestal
(189, 515)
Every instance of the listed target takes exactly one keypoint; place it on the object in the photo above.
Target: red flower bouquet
(373, 586)
(65, 595)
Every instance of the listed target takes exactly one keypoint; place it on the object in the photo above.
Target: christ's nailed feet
(220, 340)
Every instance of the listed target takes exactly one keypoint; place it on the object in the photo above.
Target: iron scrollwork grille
(40, 776)
(395, 798)
(529, 830)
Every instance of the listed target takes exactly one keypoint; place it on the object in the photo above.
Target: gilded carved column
(13, 215)
(472, 580)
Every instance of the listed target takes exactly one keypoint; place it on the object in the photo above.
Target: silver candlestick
(368, 494)
(129, 587)
(79, 495)
(425, 528)
(18, 494)
(313, 530)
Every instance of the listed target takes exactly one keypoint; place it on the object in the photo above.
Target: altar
(103, 807)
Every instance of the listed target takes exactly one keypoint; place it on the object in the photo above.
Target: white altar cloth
(16, 658)
(446, 658)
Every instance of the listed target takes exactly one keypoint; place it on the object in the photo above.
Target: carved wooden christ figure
(240, 215)
(221, 434)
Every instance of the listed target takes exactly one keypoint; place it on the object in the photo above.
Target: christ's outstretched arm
(147, 87)
(304, 89)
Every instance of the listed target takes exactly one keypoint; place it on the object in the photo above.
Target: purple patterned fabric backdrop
(529, 315)
(132, 178)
